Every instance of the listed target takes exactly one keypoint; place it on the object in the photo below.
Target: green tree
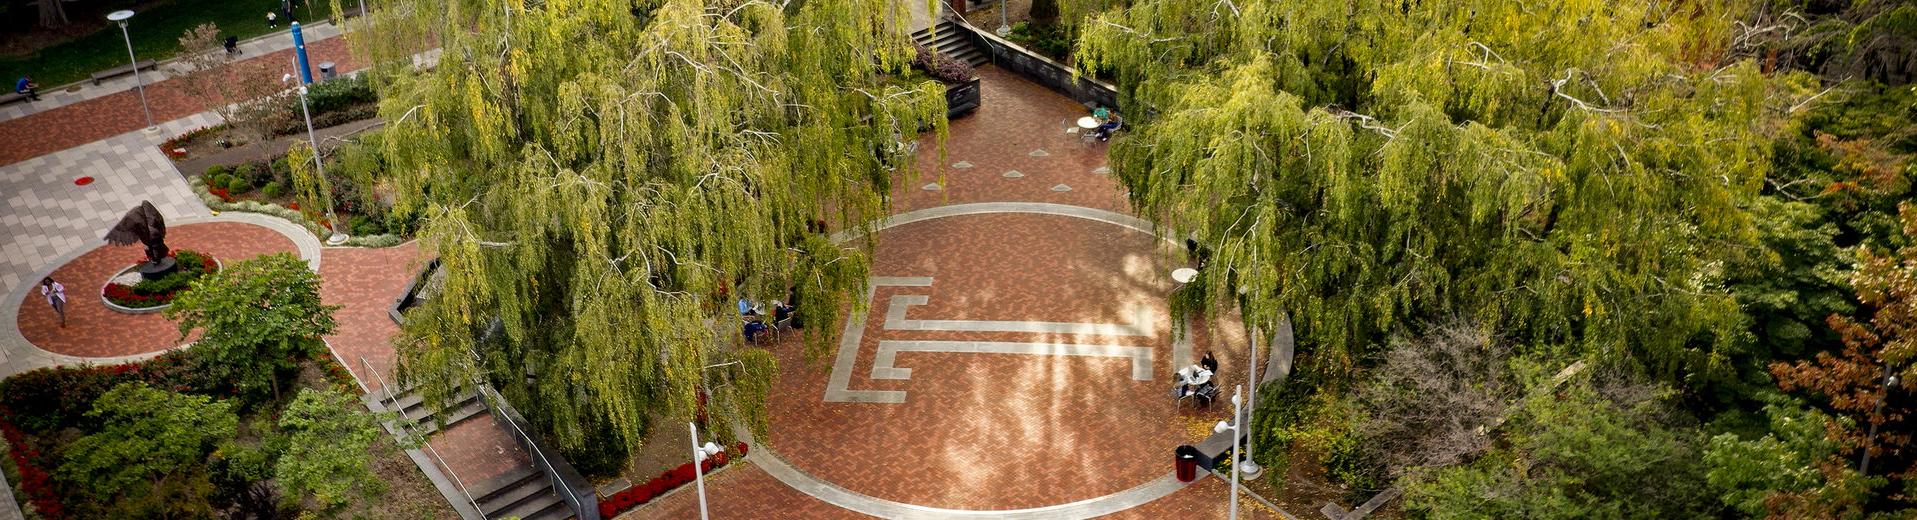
(329, 443)
(600, 179)
(148, 460)
(1573, 174)
(1586, 451)
(1791, 471)
(312, 190)
(257, 319)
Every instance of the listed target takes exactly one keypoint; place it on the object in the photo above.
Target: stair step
(505, 503)
(422, 413)
(949, 40)
(432, 425)
(536, 504)
(556, 511)
(490, 489)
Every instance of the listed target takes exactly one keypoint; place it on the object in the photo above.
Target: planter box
(961, 98)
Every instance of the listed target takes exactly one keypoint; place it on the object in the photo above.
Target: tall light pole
(319, 166)
(1003, 29)
(1252, 471)
(1237, 428)
(699, 455)
(120, 17)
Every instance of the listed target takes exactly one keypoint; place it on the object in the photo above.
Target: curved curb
(19, 355)
(768, 459)
(980, 208)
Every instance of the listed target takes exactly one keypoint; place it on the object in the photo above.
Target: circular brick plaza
(1006, 361)
(94, 331)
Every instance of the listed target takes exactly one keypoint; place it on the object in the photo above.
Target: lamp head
(1221, 427)
(286, 77)
(120, 16)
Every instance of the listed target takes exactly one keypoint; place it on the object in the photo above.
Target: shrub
(217, 170)
(160, 291)
(339, 94)
(272, 189)
(942, 67)
(362, 226)
(238, 185)
(256, 173)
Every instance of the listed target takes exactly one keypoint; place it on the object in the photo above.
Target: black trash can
(1189, 459)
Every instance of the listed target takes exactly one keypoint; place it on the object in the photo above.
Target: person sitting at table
(1108, 122)
(1192, 380)
(1208, 362)
(753, 328)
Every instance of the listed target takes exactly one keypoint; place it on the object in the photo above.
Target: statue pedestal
(152, 270)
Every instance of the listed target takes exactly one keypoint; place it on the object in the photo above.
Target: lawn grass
(155, 32)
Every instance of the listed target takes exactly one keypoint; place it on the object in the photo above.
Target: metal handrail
(557, 482)
(401, 422)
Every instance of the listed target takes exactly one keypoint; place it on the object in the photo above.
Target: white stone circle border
(830, 493)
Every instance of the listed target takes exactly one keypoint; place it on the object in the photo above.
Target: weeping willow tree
(601, 178)
(1573, 175)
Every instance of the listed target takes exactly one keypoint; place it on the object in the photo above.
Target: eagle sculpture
(142, 224)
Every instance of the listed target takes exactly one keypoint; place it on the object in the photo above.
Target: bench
(121, 70)
(11, 97)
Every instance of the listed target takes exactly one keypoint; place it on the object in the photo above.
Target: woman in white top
(56, 296)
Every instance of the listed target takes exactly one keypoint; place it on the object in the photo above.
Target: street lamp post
(1003, 28)
(1237, 428)
(1252, 471)
(699, 454)
(319, 167)
(120, 17)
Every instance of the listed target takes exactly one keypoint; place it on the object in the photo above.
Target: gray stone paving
(63, 95)
(44, 214)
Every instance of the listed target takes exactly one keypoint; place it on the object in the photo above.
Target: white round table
(1184, 274)
(1088, 122)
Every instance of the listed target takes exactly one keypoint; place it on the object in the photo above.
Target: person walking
(56, 296)
(26, 87)
(272, 20)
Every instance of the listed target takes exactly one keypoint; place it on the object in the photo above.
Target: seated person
(753, 328)
(1208, 362)
(1108, 122)
(27, 87)
(1192, 380)
(788, 309)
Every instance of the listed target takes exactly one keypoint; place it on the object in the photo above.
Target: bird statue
(142, 224)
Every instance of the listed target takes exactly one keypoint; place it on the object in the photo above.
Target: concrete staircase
(524, 492)
(947, 39)
(429, 419)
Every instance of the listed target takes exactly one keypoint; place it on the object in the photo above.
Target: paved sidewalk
(63, 95)
(45, 214)
(112, 114)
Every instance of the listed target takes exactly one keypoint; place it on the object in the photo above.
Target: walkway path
(93, 119)
(63, 95)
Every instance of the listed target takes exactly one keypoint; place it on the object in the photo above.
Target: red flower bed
(671, 479)
(222, 193)
(34, 481)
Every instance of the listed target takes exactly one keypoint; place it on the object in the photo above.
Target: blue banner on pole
(299, 50)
